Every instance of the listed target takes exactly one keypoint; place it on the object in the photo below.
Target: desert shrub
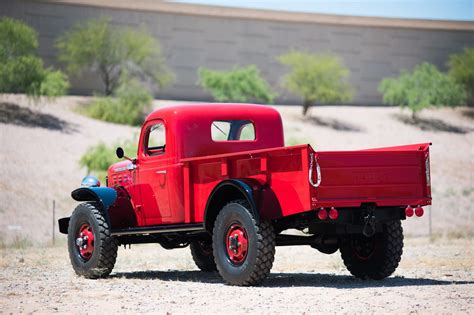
(110, 50)
(461, 68)
(316, 78)
(423, 87)
(128, 106)
(19, 75)
(99, 157)
(53, 83)
(21, 70)
(241, 84)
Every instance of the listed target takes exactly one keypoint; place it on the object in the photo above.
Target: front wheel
(244, 250)
(374, 257)
(92, 249)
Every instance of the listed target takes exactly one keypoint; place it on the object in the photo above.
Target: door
(153, 169)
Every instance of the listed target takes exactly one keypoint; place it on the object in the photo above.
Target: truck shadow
(282, 279)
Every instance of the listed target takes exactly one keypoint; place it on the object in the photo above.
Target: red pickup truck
(218, 177)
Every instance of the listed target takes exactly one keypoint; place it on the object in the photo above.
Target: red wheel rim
(85, 241)
(237, 244)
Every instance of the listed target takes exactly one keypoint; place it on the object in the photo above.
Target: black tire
(202, 255)
(376, 257)
(260, 253)
(102, 260)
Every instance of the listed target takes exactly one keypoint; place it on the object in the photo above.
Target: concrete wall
(190, 41)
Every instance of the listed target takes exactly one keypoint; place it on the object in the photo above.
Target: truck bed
(393, 176)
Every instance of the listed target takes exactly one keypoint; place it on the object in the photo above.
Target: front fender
(106, 196)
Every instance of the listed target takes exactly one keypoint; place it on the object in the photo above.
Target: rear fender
(225, 192)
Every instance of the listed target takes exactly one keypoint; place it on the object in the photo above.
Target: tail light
(409, 211)
(333, 214)
(322, 214)
(419, 211)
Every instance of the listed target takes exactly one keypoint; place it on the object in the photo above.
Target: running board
(160, 229)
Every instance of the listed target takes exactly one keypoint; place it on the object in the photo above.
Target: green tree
(21, 70)
(127, 106)
(16, 39)
(111, 51)
(241, 84)
(461, 68)
(316, 78)
(423, 87)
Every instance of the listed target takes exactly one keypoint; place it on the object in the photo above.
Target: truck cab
(171, 134)
(218, 178)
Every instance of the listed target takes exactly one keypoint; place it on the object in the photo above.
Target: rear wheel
(202, 255)
(374, 257)
(92, 249)
(243, 249)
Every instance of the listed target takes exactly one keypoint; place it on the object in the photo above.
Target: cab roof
(184, 111)
(188, 127)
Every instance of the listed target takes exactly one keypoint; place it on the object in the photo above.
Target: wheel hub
(237, 244)
(364, 248)
(85, 241)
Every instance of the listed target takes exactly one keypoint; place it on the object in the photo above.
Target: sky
(457, 10)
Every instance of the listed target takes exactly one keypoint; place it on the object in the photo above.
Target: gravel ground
(432, 278)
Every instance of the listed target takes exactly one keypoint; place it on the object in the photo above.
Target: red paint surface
(174, 187)
(86, 248)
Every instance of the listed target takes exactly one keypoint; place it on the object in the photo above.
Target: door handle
(161, 172)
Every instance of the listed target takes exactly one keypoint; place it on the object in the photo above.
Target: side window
(156, 140)
(232, 130)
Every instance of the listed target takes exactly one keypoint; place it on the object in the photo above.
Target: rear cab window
(233, 130)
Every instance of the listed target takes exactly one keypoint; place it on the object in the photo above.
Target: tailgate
(393, 176)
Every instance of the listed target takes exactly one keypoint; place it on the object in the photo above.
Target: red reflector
(322, 214)
(409, 211)
(419, 211)
(333, 214)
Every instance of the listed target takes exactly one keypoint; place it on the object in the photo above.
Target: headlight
(90, 181)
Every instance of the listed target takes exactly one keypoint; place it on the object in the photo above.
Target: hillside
(41, 145)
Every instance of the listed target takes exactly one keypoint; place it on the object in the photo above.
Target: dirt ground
(433, 278)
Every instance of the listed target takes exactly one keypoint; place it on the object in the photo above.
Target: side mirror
(119, 152)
